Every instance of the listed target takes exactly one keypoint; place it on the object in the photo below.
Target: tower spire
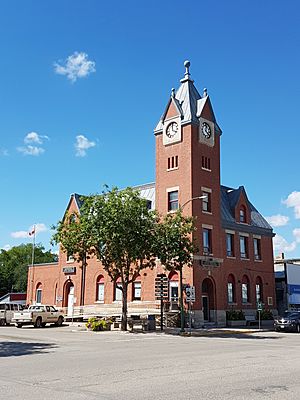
(187, 75)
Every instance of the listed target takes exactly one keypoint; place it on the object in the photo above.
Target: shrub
(98, 324)
(265, 314)
(235, 315)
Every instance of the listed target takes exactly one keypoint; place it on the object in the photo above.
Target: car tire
(59, 321)
(19, 325)
(2, 322)
(38, 323)
(277, 330)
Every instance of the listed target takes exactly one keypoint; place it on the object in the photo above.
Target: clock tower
(188, 157)
(188, 170)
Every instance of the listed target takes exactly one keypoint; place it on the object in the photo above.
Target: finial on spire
(205, 92)
(173, 92)
(187, 65)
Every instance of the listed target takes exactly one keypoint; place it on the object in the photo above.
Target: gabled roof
(229, 200)
(188, 102)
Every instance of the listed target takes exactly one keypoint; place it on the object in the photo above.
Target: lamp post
(180, 270)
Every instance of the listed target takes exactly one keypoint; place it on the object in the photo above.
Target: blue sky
(83, 84)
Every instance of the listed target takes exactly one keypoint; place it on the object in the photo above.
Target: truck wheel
(59, 321)
(2, 322)
(38, 323)
(19, 325)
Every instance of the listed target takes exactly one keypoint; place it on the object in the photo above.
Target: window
(245, 290)
(206, 201)
(231, 289)
(173, 162)
(244, 246)
(258, 290)
(256, 244)
(243, 214)
(173, 200)
(149, 204)
(206, 163)
(137, 287)
(230, 244)
(173, 287)
(100, 289)
(207, 249)
(118, 291)
(38, 295)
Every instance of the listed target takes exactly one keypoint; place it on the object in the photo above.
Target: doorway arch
(68, 298)
(208, 299)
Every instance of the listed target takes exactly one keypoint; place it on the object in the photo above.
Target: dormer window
(243, 214)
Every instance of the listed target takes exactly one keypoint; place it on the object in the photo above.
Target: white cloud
(82, 145)
(25, 234)
(31, 150)
(277, 220)
(296, 233)
(293, 200)
(76, 66)
(34, 137)
(282, 246)
(6, 247)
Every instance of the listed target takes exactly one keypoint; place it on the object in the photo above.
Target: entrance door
(70, 301)
(205, 308)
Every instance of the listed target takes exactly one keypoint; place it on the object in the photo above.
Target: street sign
(190, 294)
(259, 306)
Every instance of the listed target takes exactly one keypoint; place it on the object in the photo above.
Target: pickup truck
(7, 312)
(38, 316)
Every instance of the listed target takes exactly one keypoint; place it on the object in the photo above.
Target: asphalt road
(67, 363)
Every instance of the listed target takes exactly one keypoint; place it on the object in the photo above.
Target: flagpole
(32, 264)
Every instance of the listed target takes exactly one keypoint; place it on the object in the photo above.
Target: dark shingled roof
(229, 199)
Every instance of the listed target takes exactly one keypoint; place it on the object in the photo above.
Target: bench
(142, 323)
(251, 320)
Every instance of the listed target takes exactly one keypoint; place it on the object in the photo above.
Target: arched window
(118, 289)
(55, 294)
(38, 293)
(173, 287)
(231, 289)
(258, 290)
(137, 288)
(243, 214)
(100, 288)
(245, 290)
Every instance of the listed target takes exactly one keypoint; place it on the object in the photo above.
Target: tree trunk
(124, 308)
(83, 282)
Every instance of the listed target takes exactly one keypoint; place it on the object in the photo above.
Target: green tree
(123, 231)
(73, 233)
(175, 247)
(14, 266)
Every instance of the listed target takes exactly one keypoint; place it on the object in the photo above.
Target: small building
(234, 266)
(287, 283)
(17, 298)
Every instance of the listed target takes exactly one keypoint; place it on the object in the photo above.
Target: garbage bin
(151, 325)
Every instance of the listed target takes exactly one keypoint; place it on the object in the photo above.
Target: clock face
(206, 131)
(172, 129)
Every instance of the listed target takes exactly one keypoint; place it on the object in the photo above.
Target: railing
(110, 310)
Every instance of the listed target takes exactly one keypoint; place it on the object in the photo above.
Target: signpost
(190, 298)
(259, 309)
(161, 293)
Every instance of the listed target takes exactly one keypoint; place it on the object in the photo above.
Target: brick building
(234, 266)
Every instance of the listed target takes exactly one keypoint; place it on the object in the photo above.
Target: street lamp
(180, 271)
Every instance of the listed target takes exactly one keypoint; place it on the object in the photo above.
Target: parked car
(7, 311)
(38, 316)
(290, 321)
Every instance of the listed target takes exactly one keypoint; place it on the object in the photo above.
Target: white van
(7, 312)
